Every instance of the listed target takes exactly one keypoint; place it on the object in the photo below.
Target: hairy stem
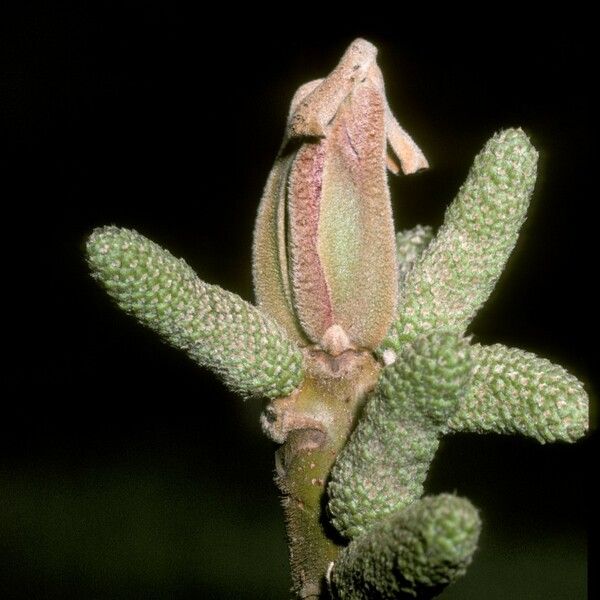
(304, 462)
(315, 422)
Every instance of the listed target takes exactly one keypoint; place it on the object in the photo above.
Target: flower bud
(324, 253)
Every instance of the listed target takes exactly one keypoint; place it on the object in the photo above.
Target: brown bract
(324, 252)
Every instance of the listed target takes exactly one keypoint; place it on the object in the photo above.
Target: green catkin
(460, 267)
(216, 328)
(384, 463)
(414, 553)
(410, 244)
(513, 391)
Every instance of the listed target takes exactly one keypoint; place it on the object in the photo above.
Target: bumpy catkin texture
(460, 267)
(513, 391)
(410, 244)
(384, 464)
(414, 553)
(216, 328)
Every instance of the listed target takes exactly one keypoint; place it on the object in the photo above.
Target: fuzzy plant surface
(357, 338)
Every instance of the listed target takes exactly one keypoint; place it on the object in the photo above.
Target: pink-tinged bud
(324, 254)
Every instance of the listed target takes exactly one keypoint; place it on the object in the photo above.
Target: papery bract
(324, 254)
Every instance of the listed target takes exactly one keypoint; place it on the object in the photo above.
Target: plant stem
(315, 422)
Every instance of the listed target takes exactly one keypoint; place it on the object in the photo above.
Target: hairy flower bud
(324, 251)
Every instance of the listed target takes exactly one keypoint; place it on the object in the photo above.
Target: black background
(126, 471)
